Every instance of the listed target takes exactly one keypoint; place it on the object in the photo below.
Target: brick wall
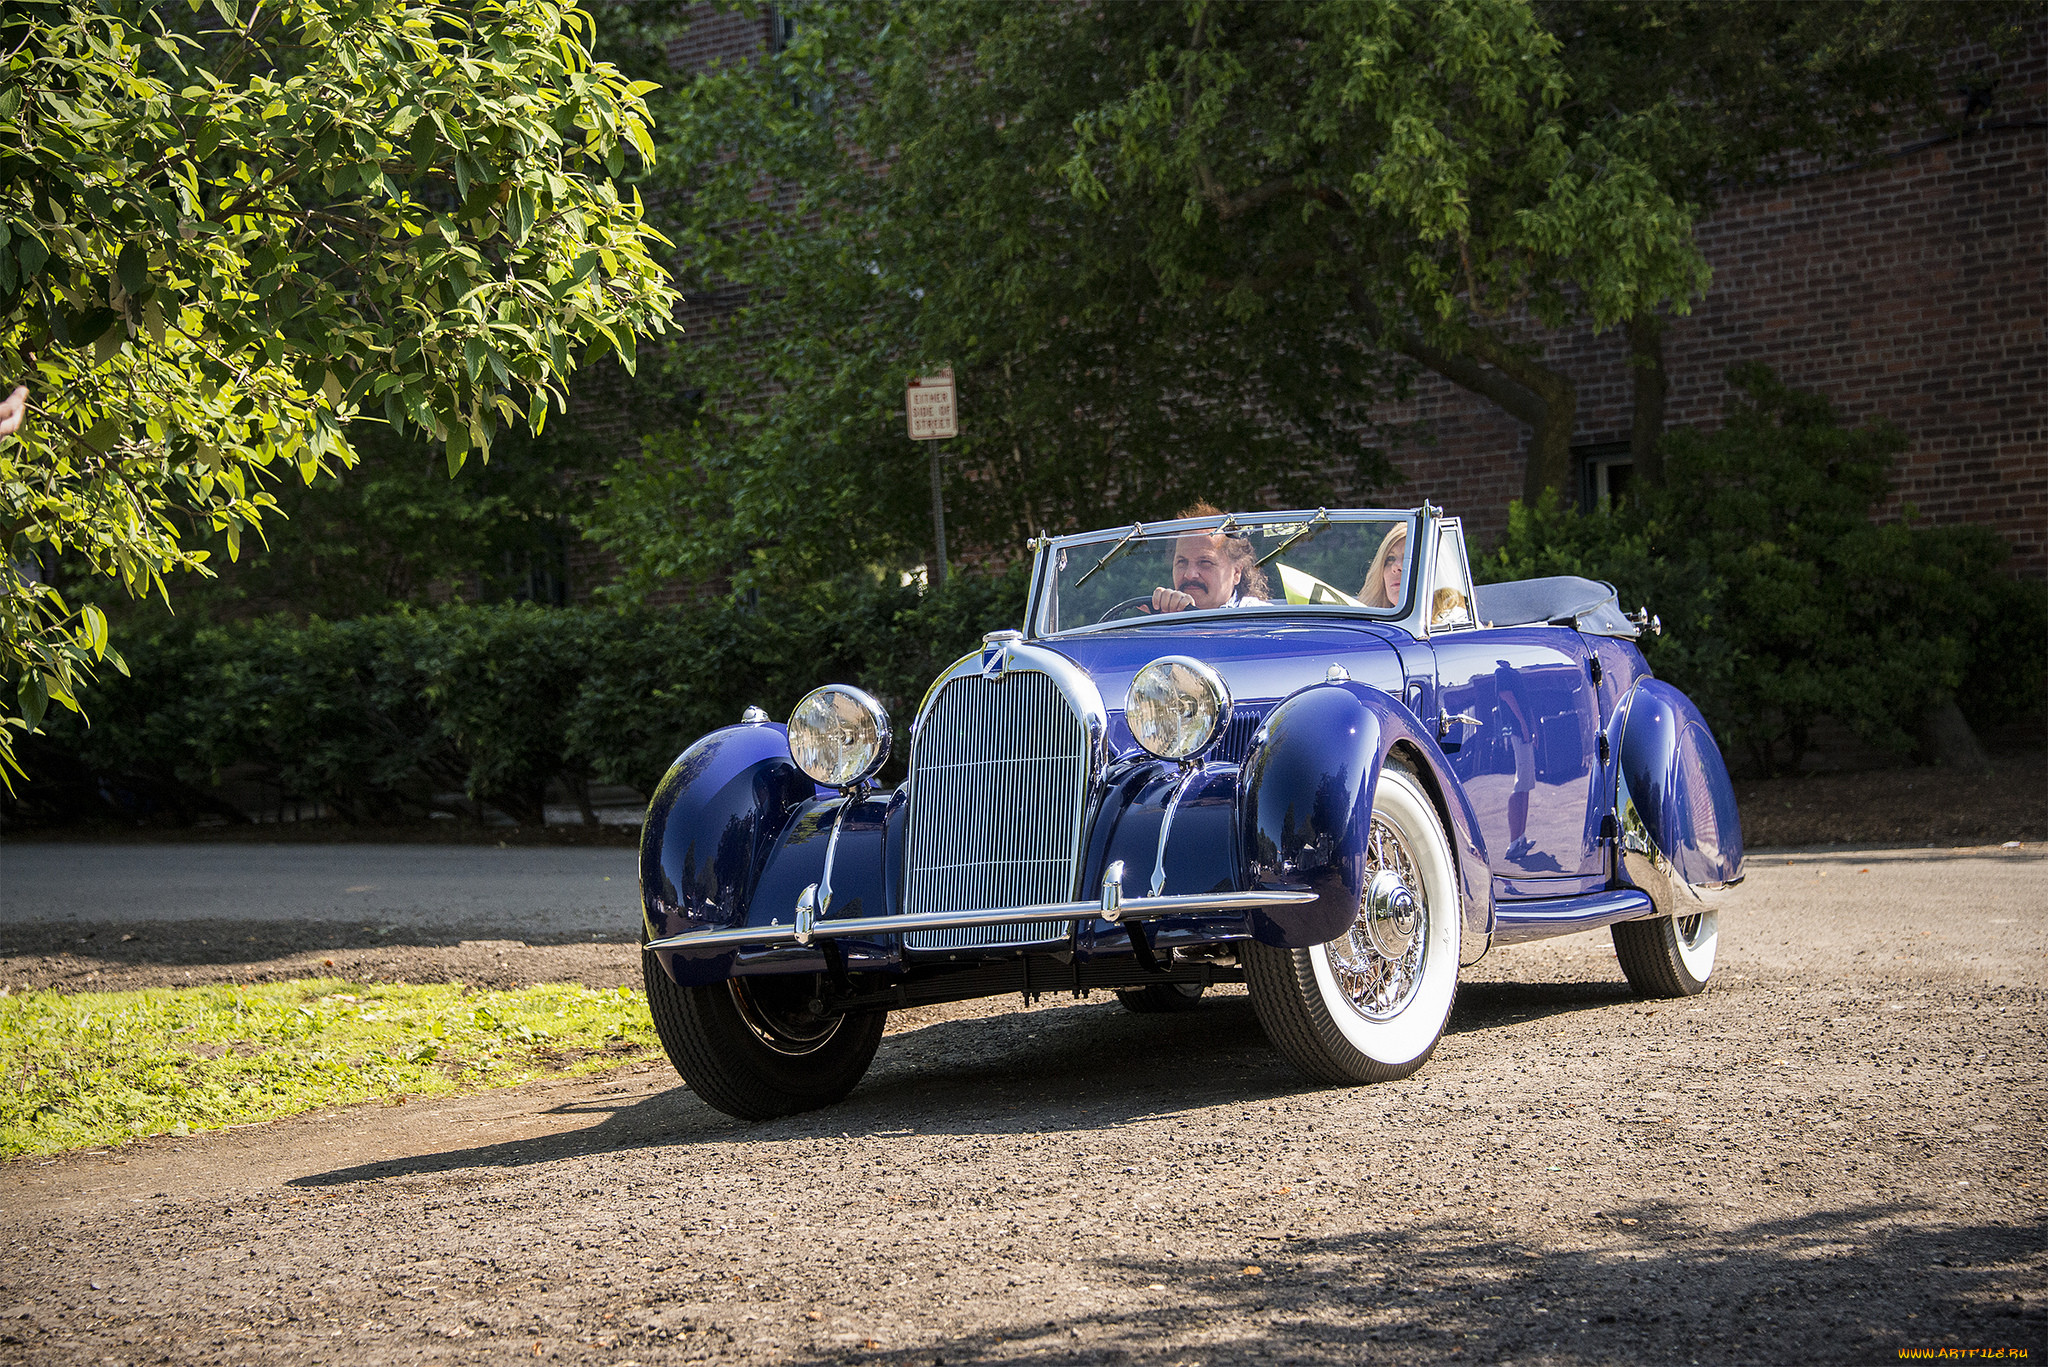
(1915, 289)
(718, 35)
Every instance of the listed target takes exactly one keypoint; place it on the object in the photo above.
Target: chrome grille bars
(999, 773)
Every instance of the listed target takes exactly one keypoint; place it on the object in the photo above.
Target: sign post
(929, 408)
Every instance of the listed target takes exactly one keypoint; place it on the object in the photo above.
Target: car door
(1517, 716)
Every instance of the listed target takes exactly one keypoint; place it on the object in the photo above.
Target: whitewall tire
(1670, 956)
(1371, 1005)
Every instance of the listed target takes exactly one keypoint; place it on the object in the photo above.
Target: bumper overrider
(807, 926)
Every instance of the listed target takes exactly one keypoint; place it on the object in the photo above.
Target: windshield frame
(1043, 571)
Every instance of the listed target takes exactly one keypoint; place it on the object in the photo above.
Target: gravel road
(1832, 1155)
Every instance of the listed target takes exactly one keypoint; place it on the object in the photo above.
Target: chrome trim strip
(1187, 776)
(823, 887)
(1131, 909)
(1073, 682)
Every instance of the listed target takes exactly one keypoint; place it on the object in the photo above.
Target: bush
(1783, 602)
(374, 716)
(668, 677)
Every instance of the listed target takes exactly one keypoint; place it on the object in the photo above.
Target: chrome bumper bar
(1113, 908)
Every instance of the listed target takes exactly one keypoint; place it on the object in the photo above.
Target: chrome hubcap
(1378, 962)
(1388, 915)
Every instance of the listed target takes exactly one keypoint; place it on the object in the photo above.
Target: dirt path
(1834, 1154)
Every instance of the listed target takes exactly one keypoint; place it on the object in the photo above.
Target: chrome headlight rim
(840, 761)
(1215, 693)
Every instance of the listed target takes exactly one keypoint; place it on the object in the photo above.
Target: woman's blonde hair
(1251, 580)
(1373, 592)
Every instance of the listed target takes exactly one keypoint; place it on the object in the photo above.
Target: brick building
(1914, 289)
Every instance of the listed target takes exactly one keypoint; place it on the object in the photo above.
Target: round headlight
(1177, 707)
(838, 735)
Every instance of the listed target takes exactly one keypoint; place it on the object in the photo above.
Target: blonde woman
(1382, 586)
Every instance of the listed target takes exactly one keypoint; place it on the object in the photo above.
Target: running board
(1518, 922)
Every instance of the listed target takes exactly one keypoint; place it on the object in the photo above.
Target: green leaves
(133, 268)
(929, 222)
(1417, 150)
(214, 252)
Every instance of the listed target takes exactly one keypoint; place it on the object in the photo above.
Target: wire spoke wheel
(1378, 962)
(1370, 1005)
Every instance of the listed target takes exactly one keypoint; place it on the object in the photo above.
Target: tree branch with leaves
(227, 233)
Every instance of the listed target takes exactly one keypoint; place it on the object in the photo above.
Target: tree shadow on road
(1851, 1284)
(1075, 1067)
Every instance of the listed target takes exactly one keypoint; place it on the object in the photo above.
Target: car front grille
(998, 780)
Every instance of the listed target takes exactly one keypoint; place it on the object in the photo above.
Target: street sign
(928, 402)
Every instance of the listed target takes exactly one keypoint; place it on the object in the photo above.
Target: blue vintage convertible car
(1294, 750)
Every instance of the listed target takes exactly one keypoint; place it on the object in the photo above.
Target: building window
(1605, 469)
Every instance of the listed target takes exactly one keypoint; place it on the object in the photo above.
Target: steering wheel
(1144, 603)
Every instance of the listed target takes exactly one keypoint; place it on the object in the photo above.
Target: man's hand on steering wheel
(1171, 600)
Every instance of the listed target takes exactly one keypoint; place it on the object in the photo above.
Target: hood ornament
(995, 652)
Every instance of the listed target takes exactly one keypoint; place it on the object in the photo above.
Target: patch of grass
(88, 1069)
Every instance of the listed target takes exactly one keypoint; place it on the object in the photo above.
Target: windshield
(1312, 561)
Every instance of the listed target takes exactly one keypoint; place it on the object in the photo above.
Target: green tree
(1783, 601)
(1417, 156)
(228, 231)
(862, 208)
(394, 528)
(1483, 172)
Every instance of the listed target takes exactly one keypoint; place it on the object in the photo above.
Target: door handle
(1446, 720)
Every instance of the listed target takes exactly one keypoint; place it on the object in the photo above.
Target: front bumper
(1113, 907)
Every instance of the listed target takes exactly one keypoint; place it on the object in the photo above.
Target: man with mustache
(1211, 570)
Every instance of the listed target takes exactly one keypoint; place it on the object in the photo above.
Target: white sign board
(929, 404)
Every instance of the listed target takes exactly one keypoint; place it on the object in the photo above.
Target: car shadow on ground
(1491, 1005)
(1077, 1067)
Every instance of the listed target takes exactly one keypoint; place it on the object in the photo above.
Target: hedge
(374, 716)
(1783, 604)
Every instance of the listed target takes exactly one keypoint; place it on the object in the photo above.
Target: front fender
(711, 824)
(1673, 798)
(1305, 806)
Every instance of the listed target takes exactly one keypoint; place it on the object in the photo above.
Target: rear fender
(1305, 806)
(1681, 837)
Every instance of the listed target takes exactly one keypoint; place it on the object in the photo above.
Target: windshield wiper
(1137, 530)
(1322, 516)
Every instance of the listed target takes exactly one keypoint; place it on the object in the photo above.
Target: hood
(1262, 659)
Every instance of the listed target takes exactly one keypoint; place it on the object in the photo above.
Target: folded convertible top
(1563, 600)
